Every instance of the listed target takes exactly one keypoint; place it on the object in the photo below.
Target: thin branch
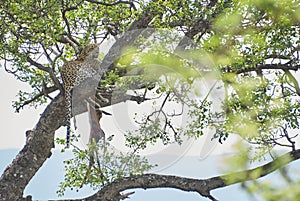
(164, 102)
(260, 171)
(279, 144)
(289, 139)
(63, 12)
(69, 36)
(8, 70)
(113, 3)
(46, 54)
(44, 92)
(38, 65)
(66, 40)
(57, 54)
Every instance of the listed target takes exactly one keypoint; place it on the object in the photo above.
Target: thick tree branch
(135, 29)
(111, 192)
(258, 172)
(268, 67)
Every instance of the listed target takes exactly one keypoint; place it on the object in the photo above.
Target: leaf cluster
(100, 165)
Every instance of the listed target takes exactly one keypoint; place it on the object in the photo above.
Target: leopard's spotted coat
(74, 73)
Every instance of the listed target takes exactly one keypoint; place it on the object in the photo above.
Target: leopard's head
(89, 51)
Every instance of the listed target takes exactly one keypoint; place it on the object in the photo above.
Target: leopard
(75, 72)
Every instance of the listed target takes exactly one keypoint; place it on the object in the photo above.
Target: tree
(253, 53)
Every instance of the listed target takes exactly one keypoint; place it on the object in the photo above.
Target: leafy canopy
(249, 50)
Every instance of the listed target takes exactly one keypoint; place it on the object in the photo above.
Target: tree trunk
(37, 149)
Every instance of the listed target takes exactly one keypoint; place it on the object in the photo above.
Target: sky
(14, 125)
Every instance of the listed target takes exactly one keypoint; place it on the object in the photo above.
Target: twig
(113, 3)
(286, 134)
(43, 92)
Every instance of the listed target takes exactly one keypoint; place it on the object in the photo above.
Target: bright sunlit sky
(14, 125)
